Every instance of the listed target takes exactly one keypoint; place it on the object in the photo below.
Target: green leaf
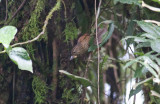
(138, 72)
(134, 92)
(128, 64)
(142, 82)
(7, 34)
(130, 29)
(149, 27)
(148, 61)
(158, 61)
(137, 39)
(150, 69)
(104, 38)
(127, 1)
(20, 57)
(85, 82)
(92, 45)
(139, 53)
(111, 29)
(144, 44)
(150, 36)
(155, 45)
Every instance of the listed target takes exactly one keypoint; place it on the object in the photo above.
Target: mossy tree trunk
(49, 54)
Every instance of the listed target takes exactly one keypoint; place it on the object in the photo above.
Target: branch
(96, 15)
(19, 8)
(55, 8)
(65, 9)
(6, 10)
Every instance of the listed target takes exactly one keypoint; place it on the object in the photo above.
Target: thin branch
(19, 8)
(65, 9)
(98, 69)
(6, 10)
(55, 8)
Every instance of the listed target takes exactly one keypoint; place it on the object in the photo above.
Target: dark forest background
(125, 34)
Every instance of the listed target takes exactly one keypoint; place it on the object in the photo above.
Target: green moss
(32, 29)
(40, 90)
(69, 96)
(70, 93)
(71, 32)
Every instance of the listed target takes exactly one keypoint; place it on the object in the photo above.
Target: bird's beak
(72, 57)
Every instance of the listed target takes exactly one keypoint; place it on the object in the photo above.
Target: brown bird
(83, 43)
(81, 47)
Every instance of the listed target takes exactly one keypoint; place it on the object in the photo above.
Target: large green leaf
(85, 82)
(134, 92)
(149, 27)
(130, 28)
(150, 36)
(155, 45)
(141, 82)
(20, 57)
(7, 34)
(138, 72)
(137, 39)
(105, 38)
(150, 69)
(150, 62)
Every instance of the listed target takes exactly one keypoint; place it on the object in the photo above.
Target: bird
(83, 43)
(81, 47)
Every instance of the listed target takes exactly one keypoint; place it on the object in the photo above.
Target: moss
(71, 32)
(70, 93)
(69, 96)
(32, 29)
(40, 90)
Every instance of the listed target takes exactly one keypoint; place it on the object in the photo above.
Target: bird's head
(75, 52)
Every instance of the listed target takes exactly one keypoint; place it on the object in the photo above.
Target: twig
(65, 9)
(19, 8)
(6, 10)
(97, 14)
(55, 8)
